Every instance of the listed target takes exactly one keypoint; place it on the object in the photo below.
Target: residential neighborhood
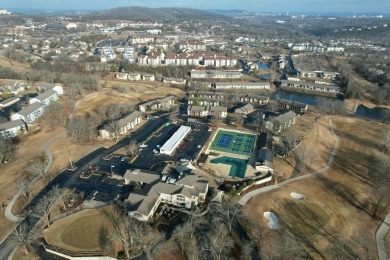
(202, 130)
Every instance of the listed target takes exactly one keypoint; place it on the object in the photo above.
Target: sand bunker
(273, 222)
(296, 196)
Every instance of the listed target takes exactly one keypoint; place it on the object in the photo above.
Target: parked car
(123, 158)
(143, 145)
(184, 160)
(199, 146)
(155, 151)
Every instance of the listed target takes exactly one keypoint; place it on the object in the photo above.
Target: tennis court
(234, 142)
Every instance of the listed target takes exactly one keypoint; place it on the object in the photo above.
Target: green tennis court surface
(234, 142)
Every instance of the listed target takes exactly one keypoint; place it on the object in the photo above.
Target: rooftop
(30, 109)
(11, 124)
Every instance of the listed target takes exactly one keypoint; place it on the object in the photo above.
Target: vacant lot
(334, 215)
(127, 92)
(78, 232)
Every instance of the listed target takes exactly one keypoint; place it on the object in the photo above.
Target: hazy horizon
(274, 6)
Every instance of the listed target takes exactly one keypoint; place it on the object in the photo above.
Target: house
(156, 104)
(13, 128)
(248, 108)
(264, 161)
(254, 98)
(203, 111)
(30, 113)
(281, 122)
(149, 77)
(179, 81)
(221, 74)
(134, 76)
(202, 101)
(188, 189)
(122, 126)
(142, 39)
(310, 86)
(46, 97)
(121, 75)
(219, 112)
(170, 59)
(154, 60)
(197, 111)
(242, 85)
(297, 107)
(194, 45)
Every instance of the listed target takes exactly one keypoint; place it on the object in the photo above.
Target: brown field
(329, 208)
(137, 91)
(77, 232)
(14, 65)
(316, 136)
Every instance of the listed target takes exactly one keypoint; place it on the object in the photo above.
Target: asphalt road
(72, 178)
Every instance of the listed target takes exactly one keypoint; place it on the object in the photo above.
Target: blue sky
(342, 6)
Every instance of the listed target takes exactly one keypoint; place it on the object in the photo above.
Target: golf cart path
(8, 210)
(253, 193)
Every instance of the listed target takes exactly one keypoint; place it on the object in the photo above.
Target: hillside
(144, 13)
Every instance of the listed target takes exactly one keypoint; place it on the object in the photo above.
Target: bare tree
(306, 155)
(61, 193)
(129, 232)
(131, 147)
(291, 139)
(227, 212)
(115, 128)
(42, 209)
(52, 115)
(219, 242)
(22, 236)
(23, 183)
(6, 149)
(81, 128)
(184, 234)
(153, 245)
(37, 166)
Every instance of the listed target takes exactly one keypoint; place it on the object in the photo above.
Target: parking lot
(189, 148)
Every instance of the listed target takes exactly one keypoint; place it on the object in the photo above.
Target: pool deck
(223, 170)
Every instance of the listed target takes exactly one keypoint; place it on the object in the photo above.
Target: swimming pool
(238, 166)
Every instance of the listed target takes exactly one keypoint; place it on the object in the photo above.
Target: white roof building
(170, 145)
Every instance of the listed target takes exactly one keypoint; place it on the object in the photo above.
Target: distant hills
(144, 13)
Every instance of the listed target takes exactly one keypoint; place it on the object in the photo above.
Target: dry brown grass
(314, 135)
(336, 193)
(14, 65)
(136, 92)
